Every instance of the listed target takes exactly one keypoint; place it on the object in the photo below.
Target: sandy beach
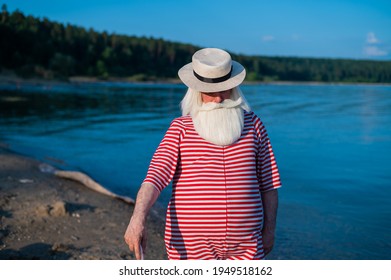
(46, 217)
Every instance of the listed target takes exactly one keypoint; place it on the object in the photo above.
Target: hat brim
(186, 75)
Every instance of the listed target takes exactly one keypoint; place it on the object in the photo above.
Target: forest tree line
(34, 47)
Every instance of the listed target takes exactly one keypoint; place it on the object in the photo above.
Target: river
(332, 144)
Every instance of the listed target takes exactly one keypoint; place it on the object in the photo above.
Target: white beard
(219, 123)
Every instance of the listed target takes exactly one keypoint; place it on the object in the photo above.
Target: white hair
(192, 101)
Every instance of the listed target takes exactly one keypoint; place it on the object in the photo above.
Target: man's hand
(135, 237)
(268, 241)
(270, 205)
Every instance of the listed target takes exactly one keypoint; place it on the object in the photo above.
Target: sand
(45, 217)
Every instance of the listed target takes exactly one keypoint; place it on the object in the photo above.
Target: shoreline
(44, 217)
(12, 79)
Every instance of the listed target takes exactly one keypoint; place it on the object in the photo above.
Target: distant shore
(46, 217)
(12, 79)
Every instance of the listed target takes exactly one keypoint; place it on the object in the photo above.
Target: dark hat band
(213, 80)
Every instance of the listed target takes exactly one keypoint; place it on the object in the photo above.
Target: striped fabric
(215, 211)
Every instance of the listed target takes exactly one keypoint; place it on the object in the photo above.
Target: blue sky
(359, 29)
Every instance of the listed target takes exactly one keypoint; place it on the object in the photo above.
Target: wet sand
(46, 217)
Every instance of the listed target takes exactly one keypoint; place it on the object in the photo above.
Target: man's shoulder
(181, 122)
(182, 119)
(253, 119)
(250, 115)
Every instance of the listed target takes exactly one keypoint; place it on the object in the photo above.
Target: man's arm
(135, 234)
(270, 205)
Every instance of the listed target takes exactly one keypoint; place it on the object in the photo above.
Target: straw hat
(212, 70)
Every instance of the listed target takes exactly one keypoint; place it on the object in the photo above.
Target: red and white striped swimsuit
(215, 211)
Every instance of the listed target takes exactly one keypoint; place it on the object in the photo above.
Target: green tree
(33, 46)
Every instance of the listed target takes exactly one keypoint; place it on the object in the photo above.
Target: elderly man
(225, 178)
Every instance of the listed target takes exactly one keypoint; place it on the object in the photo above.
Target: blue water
(332, 144)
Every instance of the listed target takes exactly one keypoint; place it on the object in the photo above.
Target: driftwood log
(85, 180)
